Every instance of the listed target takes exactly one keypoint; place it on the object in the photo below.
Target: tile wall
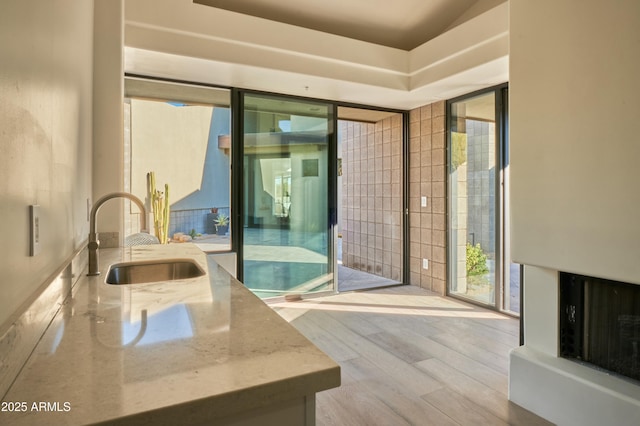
(372, 196)
(427, 178)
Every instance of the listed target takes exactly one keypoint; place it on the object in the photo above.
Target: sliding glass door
(286, 159)
(480, 268)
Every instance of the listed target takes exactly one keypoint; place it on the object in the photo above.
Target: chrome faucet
(94, 243)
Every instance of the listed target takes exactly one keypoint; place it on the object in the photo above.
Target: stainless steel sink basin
(150, 271)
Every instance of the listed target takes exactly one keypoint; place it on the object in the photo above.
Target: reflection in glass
(286, 233)
(472, 186)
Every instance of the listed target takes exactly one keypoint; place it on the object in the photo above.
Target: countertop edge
(225, 405)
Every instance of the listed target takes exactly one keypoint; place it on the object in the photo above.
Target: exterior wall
(180, 144)
(46, 83)
(459, 222)
(372, 196)
(200, 220)
(481, 170)
(427, 178)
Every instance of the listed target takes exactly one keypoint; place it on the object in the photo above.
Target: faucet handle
(92, 248)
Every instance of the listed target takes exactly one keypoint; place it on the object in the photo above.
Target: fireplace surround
(599, 323)
(562, 390)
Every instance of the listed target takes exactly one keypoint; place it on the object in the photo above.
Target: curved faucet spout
(94, 243)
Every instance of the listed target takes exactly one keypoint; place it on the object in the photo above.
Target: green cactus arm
(166, 213)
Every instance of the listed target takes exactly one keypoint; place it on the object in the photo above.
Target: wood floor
(410, 357)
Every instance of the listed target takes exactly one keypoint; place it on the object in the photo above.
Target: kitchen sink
(149, 271)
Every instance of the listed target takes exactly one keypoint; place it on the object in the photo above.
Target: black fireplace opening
(600, 323)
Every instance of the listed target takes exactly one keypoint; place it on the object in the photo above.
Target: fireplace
(600, 323)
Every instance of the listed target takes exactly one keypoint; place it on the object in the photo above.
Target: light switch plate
(423, 201)
(425, 263)
(34, 225)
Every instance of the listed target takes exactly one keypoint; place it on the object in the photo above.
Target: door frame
(237, 176)
(500, 93)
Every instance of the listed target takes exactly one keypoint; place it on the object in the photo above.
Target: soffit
(402, 24)
(363, 115)
(180, 92)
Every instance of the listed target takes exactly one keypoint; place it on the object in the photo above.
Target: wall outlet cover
(34, 227)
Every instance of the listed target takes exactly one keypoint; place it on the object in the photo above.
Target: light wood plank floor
(410, 357)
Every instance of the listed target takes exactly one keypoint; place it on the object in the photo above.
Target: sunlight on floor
(417, 305)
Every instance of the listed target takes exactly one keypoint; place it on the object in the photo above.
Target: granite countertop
(207, 349)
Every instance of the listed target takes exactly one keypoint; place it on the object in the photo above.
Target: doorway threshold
(352, 280)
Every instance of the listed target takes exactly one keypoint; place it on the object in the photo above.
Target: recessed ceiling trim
(403, 24)
(266, 49)
(172, 43)
(184, 15)
(155, 38)
(484, 29)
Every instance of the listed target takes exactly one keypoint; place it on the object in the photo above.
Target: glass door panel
(286, 229)
(472, 195)
(168, 125)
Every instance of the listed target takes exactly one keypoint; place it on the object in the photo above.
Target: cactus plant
(160, 205)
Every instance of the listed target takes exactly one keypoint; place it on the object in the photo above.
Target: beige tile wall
(427, 178)
(372, 196)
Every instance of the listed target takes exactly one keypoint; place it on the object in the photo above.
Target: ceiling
(403, 24)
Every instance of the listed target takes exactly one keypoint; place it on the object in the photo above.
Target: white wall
(108, 124)
(574, 85)
(45, 138)
(575, 151)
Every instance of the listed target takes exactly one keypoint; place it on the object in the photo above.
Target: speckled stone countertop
(208, 349)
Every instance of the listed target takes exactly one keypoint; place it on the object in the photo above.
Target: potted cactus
(222, 224)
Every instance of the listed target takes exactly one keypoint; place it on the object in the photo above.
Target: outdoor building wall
(481, 164)
(371, 215)
(427, 178)
(180, 144)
